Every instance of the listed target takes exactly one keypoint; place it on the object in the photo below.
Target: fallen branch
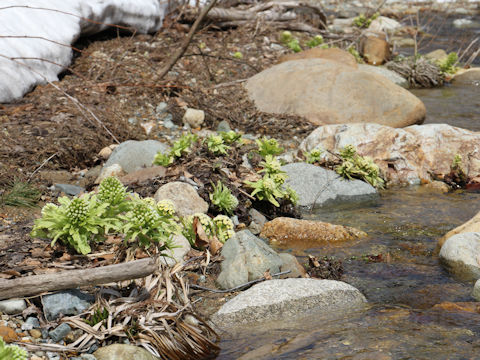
(239, 287)
(37, 284)
(178, 54)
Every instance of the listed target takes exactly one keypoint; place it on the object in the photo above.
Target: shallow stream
(396, 268)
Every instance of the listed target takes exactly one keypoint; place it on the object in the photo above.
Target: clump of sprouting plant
(360, 167)
(268, 147)
(230, 137)
(313, 156)
(238, 55)
(291, 42)
(223, 198)
(180, 147)
(363, 21)
(353, 50)
(447, 65)
(216, 145)
(315, 41)
(271, 187)
(21, 194)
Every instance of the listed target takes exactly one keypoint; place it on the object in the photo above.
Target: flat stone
(12, 306)
(296, 233)
(318, 187)
(459, 254)
(69, 302)
(143, 175)
(31, 323)
(123, 352)
(132, 155)
(184, 197)
(278, 299)
(60, 332)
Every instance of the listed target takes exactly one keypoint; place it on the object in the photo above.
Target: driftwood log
(37, 284)
(309, 15)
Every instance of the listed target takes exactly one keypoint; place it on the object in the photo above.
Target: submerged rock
(460, 255)
(472, 225)
(328, 92)
(132, 155)
(278, 299)
(296, 233)
(123, 352)
(317, 186)
(405, 156)
(184, 197)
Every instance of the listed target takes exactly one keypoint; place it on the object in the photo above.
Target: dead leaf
(7, 274)
(41, 253)
(267, 275)
(215, 245)
(65, 257)
(201, 238)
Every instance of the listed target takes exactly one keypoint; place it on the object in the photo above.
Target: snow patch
(35, 35)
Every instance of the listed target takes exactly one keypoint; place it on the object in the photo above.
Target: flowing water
(396, 268)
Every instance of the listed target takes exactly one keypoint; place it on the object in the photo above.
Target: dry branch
(37, 284)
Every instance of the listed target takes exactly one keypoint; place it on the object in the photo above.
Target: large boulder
(472, 225)
(290, 232)
(460, 255)
(247, 258)
(383, 71)
(333, 54)
(318, 187)
(133, 155)
(184, 197)
(123, 352)
(468, 77)
(405, 156)
(279, 299)
(328, 92)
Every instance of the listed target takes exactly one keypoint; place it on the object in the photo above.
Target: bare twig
(239, 287)
(178, 54)
(42, 165)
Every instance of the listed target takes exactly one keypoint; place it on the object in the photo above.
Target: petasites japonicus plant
(76, 222)
(12, 352)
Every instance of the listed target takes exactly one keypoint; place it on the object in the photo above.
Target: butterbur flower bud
(166, 208)
(77, 210)
(111, 190)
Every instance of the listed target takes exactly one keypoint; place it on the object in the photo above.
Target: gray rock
(12, 306)
(183, 196)
(258, 220)
(246, 258)
(68, 189)
(123, 352)
(70, 302)
(290, 263)
(132, 155)
(176, 255)
(53, 356)
(60, 332)
(84, 357)
(317, 186)
(459, 254)
(383, 71)
(161, 108)
(223, 126)
(31, 323)
(476, 290)
(277, 299)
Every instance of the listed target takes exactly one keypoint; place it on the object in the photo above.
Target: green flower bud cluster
(12, 352)
(268, 147)
(112, 191)
(143, 214)
(77, 210)
(216, 145)
(313, 156)
(224, 227)
(166, 208)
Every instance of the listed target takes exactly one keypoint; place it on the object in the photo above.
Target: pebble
(31, 323)
(13, 306)
(223, 126)
(161, 108)
(194, 117)
(53, 356)
(35, 333)
(68, 189)
(60, 332)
